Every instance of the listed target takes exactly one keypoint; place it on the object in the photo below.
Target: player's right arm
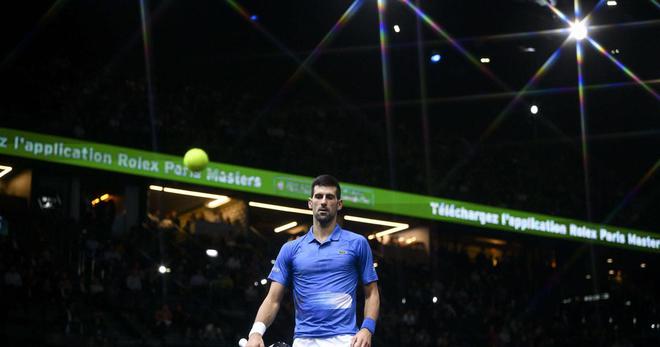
(267, 312)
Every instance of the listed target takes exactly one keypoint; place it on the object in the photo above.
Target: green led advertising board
(168, 167)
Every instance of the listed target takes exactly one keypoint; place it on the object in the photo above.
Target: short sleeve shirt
(324, 278)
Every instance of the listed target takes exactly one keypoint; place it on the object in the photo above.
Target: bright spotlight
(435, 299)
(436, 58)
(397, 29)
(5, 170)
(264, 281)
(212, 253)
(579, 30)
(534, 109)
(485, 60)
(285, 227)
(162, 269)
(611, 3)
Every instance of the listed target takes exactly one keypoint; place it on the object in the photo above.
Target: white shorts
(335, 341)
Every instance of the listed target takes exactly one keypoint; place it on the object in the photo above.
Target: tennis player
(323, 269)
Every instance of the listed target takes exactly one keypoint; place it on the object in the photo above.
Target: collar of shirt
(333, 237)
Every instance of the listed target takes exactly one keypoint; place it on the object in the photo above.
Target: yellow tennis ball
(195, 159)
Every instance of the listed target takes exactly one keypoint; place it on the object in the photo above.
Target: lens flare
(340, 24)
(633, 192)
(313, 55)
(656, 3)
(579, 30)
(583, 128)
(151, 96)
(293, 56)
(504, 95)
(246, 15)
(384, 57)
(43, 21)
(532, 81)
(623, 68)
(439, 30)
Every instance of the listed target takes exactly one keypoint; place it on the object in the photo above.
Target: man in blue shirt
(323, 269)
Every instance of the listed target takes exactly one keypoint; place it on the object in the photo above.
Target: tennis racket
(243, 342)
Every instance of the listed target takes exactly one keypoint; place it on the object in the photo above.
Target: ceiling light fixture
(285, 227)
(5, 170)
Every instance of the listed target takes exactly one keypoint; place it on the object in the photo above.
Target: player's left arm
(371, 308)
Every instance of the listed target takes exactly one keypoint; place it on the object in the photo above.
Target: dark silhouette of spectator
(163, 319)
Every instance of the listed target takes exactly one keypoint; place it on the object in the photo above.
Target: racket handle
(242, 342)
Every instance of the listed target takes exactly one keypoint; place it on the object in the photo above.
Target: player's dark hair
(326, 181)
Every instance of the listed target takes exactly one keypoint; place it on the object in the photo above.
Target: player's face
(324, 204)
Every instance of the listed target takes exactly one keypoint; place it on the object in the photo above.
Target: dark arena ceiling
(438, 101)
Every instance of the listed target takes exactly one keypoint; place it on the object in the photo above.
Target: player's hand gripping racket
(243, 342)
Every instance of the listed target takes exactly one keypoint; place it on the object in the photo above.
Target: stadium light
(611, 3)
(397, 29)
(217, 202)
(395, 227)
(435, 58)
(217, 199)
(579, 30)
(104, 197)
(534, 109)
(5, 170)
(285, 227)
(279, 208)
(212, 253)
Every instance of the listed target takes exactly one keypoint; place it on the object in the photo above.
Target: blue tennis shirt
(324, 278)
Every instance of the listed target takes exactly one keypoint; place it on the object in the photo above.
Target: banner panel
(168, 167)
